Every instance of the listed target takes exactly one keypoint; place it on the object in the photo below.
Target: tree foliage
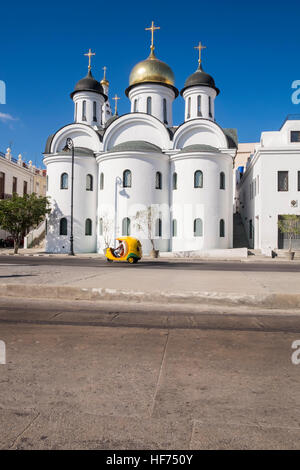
(21, 213)
(289, 224)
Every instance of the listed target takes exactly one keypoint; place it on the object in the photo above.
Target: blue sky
(252, 53)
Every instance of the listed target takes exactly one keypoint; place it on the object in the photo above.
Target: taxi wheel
(131, 260)
(109, 260)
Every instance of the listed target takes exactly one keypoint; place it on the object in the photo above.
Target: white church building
(125, 164)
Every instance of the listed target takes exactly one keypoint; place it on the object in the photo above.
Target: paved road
(82, 386)
(154, 264)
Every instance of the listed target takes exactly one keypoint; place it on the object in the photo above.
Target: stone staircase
(282, 254)
(240, 239)
(239, 234)
(36, 236)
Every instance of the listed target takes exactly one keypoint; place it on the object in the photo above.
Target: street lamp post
(117, 183)
(70, 146)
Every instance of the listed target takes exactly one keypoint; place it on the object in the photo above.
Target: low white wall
(232, 253)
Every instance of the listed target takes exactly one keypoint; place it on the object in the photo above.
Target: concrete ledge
(218, 254)
(274, 301)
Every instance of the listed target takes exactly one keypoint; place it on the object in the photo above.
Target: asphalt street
(270, 266)
(72, 382)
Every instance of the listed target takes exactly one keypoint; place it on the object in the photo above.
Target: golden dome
(151, 70)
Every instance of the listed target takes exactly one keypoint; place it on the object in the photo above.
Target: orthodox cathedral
(139, 163)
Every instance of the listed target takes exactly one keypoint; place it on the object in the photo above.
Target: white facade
(262, 198)
(153, 99)
(199, 102)
(132, 160)
(88, 108)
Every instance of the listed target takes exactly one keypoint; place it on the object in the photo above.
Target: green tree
(20, 214)
(289, 224)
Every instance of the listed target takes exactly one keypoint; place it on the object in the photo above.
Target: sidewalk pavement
(157, 284)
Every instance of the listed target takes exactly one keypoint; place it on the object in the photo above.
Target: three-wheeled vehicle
(129, 249)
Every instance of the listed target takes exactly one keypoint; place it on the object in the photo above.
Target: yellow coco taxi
(129, 249)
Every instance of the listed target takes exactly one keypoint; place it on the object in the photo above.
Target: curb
(162, 259)
(40, 291)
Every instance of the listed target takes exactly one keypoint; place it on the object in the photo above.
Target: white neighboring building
(139, 159)
(270, 186)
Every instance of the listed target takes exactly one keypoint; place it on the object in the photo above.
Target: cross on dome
(89, 55)
(199, 47)
(152, 28)
(116, 98)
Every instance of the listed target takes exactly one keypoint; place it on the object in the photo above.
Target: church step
(284, 254)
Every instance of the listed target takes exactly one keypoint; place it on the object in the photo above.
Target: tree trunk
(290, 245)
(16, 246)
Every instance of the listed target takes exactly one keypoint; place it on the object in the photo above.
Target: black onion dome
(88, 83)
(200, 78)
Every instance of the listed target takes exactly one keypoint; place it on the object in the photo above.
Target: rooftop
(290, 117)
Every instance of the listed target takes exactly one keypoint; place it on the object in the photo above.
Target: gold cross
(104, 76)
(199, 47)
(152, 29)
(116, 98)
(89, 55)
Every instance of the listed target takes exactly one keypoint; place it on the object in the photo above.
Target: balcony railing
(14, 160)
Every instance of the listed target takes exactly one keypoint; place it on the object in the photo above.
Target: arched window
(94, 111)
(165, 111)
(63, 226)
(174, 228)
(88, 227)
(198, 228)
(158, 228)
(89, 183)
(174, 180)
(84, 111)
(126, 227)
(158, 180)
(199, 105)
(135, 106)
(198, 179)
(149, 105)
(75, 119)
(101, 180)
(209, 106)
(127, 179)
(101, 226)
(222, 180)
(64, 181)
(222, 228)
(189, 108)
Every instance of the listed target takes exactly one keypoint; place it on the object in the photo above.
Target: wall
(85, 203)
(208, 203)
(125, 202)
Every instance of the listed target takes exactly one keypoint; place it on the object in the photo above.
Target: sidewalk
(147, 282)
